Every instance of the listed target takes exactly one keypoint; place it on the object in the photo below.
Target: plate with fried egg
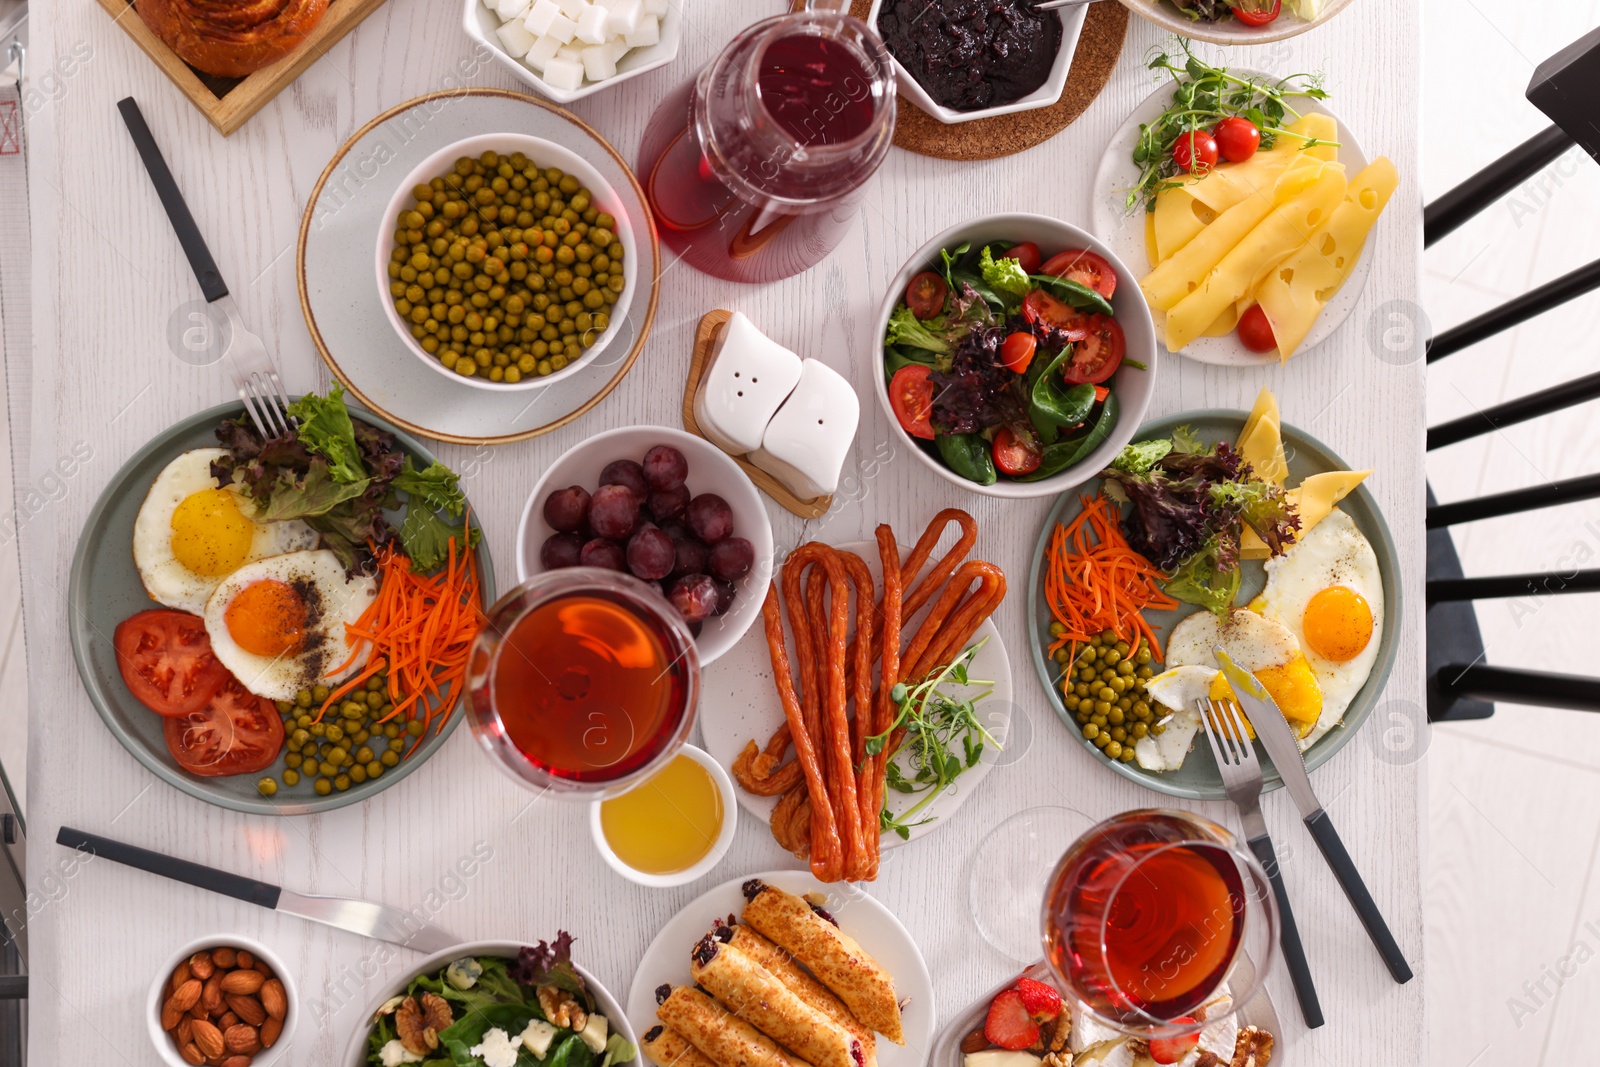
(168, 541)
(1318, 624)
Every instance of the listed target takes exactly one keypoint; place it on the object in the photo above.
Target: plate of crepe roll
(767, 971)
(787, 723)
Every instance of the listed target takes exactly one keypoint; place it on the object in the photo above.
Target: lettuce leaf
(1208, 578)
(325, 428)
(1140, 456)
(1004, 275)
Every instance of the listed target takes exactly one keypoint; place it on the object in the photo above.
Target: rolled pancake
(760, 998)
(723, 1039)
(831, 954)
(801, 984)
(668, 1048)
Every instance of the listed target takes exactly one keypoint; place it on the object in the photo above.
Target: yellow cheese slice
(1152, 248)
(1261, 440)
(1178, 217)
(1319, 127)
(1314, 500)
(1176, 276)
(1295, 292)
(1226, 323)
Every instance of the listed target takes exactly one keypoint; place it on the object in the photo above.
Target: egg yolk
(1292, 686)
(266, 618)
(1337, 623)
(210, 535)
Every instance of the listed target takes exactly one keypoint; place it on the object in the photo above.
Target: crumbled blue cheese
(464, 973)
(497, 1049)
(537, 1037)
(394, 1054)
(593, 1034)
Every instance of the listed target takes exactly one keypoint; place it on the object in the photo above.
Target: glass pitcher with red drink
(1150, 913)
(755, 168)
(583, 682)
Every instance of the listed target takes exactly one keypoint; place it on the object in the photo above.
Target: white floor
(1514, 835)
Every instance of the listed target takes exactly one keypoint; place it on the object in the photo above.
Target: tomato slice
(1015, 455)
(925, 295)
(911, 396)
(1255, 331)
(1040, 306)
(1026, 254)
(1237, 138)
(1084, 267)
(1097, 356)
(166, 660)
(236, 732)
(1255, 12)
(1016, 352)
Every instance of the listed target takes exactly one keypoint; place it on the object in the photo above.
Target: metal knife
(1272, 729)
(377, 921)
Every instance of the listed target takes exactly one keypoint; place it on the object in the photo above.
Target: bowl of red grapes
(667, 507)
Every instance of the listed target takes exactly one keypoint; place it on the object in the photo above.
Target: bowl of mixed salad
(1237, 21)
(1013, 362)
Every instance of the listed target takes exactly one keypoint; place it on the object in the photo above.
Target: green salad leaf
(327, 430)
(1004, 275)
(908, 330)
(1140, 456)
(1206, 579)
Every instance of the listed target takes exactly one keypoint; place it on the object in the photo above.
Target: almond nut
(248, 1009)
(242, 981)
(185, 1032)
(213, 1061)
(245, 959)
(226, 1020)
(191, 1054)
(200, 965)
(198, 1011)
(274, 999)
(224, 957)
(270, 1031)
(242, 1038)
(171, 1015)
(211, 999)
(261, 965)
(208, 1038)
(180, 975)
(187, 995)
(236, 1061)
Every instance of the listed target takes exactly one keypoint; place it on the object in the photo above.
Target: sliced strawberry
(1172, 1049)
(1008, 1024)
(1042, 1001)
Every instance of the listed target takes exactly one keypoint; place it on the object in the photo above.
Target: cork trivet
(704, 336)
(1098, 48)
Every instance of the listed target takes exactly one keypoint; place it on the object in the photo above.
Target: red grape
(710, 518)
(676, 529)
(613, 512)
(561, 550)
(669, 503)
(651, 554)
(690, 557)
(665, 467)
(566, 510)
(625, 472)
(603, 553)
(725, 595)
(695, 596)
(732, 558)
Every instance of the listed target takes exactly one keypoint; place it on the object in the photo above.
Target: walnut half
(1252, 1048)
(562, 1008)
(418, 1025)
(1060, 1058)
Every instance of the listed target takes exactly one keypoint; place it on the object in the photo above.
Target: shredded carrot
(420, 629)
(1094, 581)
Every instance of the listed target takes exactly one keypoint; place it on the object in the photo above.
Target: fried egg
(1178, 690)
(279, 623)
(190, 534)
(1327, 590)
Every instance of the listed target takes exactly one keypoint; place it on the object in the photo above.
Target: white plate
(874, 926)
(1229, 31)
(1124, 230)
(739, 703)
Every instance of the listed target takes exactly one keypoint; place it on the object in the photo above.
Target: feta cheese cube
(658, 8)
(516, 38)
(616, 48)
(540, 16)
(624, 17)
(573, 9)
(562, 28)
(543, 51)
(510, 10)
(747, 378)
(537, 1037)
(594, 1034)
(598, 64)
(592, 26)
(562, 73)
(607, 4)
(648, 33)
(806, 442)
(489, 4)
(572, 53)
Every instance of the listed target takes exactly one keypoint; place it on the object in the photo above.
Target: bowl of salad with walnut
(499, 262)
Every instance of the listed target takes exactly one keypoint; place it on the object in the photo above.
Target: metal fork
(1241, 777)
(260, 388)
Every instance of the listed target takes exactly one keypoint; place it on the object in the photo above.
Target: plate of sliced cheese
(1284, 229)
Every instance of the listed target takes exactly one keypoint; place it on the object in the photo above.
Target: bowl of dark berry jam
(960, 60)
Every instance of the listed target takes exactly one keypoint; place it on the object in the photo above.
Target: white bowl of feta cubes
(567, 49)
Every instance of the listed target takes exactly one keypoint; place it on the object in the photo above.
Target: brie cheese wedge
(806, 442)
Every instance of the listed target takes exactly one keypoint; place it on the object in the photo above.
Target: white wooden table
(108, 276)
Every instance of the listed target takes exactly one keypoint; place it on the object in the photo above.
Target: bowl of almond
(222, 1000)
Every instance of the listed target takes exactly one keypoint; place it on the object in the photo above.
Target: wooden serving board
(228, 103)
(705, 335)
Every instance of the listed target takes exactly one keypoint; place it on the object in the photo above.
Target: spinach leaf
(897, 356)
(1052, 399)
(968, 455)
(1063, 454)
(569, 1052)
(460, 1036)
(1075, 293)
(948, 261)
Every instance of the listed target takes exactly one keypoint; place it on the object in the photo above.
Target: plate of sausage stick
(873, 699)
(781, 970)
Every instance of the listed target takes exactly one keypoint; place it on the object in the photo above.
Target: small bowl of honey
(672, 827)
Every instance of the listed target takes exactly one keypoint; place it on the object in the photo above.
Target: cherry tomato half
(1027, 254)
(1097, 356)
(1255, 332)
(166, 661)
(925, 295)
(1016, 352)
(1084, 267)
(1237, 138)
(911, 397)
(235, 732)
(1040, 306)
(1195, 151)
(1256, 12)
(1015, 455)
